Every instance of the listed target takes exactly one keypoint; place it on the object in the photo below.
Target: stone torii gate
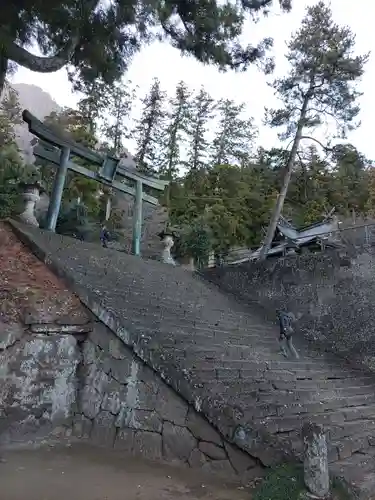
(120, 174)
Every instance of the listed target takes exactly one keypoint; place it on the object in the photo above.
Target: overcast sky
(160, 60)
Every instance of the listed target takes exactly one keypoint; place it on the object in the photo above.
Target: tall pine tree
(320, 84)
(201, 111)
(148, 131)
(175, 131)
(235, 135)
(116, 123)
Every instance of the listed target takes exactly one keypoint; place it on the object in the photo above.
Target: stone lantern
(167, 238)
(31, 192)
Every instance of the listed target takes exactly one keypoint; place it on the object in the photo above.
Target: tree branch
(41, 64)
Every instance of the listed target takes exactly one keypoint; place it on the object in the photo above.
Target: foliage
(11, 170)
(235, 135)
(286, 482)
(149, 128)
(115, 121)
(73, 124)
(98, 39)
(320, 85)
(74, 221)
(10, 116)
(281, 483)
(173, 135)
(322, 76)
(201, 111)
(195, 242)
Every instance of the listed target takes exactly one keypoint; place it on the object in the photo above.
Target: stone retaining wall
(65, 374)
(124, 404)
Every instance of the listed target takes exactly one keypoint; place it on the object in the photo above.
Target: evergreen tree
(115, 127)
(94, 103)
(235, 135)
(72, 124)
(10, 116)
(201, 111)
(175, 131)
(320, 83)
(98, 39)
(12, 168)
(149, 129)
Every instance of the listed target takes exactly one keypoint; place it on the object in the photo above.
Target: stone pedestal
(30, 195)
(316, 475)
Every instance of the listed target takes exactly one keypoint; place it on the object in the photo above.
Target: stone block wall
(63, 373)
(126, 405)
(332, 294)
(38, 382)
(40, 322)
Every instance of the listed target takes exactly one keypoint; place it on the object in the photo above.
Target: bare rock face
(40, 104)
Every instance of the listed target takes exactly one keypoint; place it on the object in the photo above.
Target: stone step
(343, 383)
(358, 472)
(261, 410)
(355, 443)
(356, 427)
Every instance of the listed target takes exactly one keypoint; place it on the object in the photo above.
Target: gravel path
(82, 472)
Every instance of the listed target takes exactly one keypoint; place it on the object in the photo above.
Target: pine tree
(94, 103)
(10, 116)
(148, 131)
(320, 85)
(99, 39)
(175, 131)
(115, 127)
(201, 111)
(235, 136)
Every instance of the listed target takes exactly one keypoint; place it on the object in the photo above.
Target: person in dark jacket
(104, 236)
(286, 325)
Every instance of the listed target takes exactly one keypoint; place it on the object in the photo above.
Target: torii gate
(58, 150)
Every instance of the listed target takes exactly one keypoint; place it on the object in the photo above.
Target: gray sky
(164, 62)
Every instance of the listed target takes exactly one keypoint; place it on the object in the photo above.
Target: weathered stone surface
(219, 467)
(145, 420)
(81, 427)
(125, 440)
(170, 406)
(212, 450)
(178, 442)
(197, 459)
(53, 329)
(38, 384)
(146, 398)
(117, 349)
(104, 430)
(91, 396)
(10, 333)
(201, 429)
(316, 474)
(120, 370)
(148, 444)
(240, 461)
(114, 396)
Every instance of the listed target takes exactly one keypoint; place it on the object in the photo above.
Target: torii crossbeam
(58, 150)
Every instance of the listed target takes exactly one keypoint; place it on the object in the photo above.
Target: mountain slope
(40, 104)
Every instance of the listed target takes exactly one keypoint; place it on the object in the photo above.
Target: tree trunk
(281, 197)
(3, 72)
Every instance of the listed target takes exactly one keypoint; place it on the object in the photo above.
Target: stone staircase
(222, 358)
